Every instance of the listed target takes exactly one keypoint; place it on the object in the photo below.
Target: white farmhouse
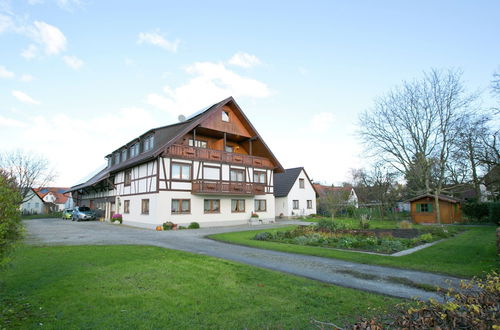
(294, 193)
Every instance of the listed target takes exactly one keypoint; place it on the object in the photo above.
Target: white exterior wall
(33, 206)
(285, 204)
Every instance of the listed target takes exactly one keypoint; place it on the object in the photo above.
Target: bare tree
(29, 170)
(334, 200)
(419, 123)
(376, 185)
(495, 88)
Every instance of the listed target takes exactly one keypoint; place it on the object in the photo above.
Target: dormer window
(134, 150)
(148, 143)
(124, 155)
(225, 116)
(117, 158)
(110, 161)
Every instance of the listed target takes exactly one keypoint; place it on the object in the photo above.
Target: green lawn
(465, 255)
(75, 287)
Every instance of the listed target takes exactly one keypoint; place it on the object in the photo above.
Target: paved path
(384, 280)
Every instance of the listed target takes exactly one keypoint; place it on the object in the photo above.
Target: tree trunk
(438, 210)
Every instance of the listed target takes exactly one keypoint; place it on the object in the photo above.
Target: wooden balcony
(212, 155)
(227, 188)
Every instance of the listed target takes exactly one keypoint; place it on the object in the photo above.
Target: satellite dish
(181, 118)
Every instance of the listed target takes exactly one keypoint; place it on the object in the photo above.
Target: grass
(465, 255)
(75, 287)
(41, 216)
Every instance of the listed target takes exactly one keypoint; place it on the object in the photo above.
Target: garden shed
(423, 209)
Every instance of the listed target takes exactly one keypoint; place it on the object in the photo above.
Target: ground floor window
(426, 207)
(260, 205)
(237, 205)
(295, 204)
(145, 206)
(126, 206)
(181, 206)
(211, 205)
(309, 204)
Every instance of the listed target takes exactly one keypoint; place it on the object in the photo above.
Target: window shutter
(418, 208)
(430, 207)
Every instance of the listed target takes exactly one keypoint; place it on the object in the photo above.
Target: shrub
(301, 240)
(494, 213)
(10, 219)
(194, 225)
(117, 217)
(264, 236)
(474, 305)
(476, 211)
(168, 225)
(427, 237)
(182, 227)
(405, 224)
(329, 225)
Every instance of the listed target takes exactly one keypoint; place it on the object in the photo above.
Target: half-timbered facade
(213, 168)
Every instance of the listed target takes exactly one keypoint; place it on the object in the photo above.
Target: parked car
(82, 213)
(67, 214)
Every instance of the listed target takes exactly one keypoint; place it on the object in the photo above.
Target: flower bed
(377, 240)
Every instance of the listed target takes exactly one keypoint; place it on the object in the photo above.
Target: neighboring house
(55, 198)
(213, 168)
(350, 193)
(423, 209)
(34, 204)
(294, 193)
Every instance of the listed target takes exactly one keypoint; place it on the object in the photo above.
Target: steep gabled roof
(283, 182)
(166, 136)
(322, 190)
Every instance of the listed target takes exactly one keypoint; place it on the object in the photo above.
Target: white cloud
(95, 138)
(244, 60)
(30, 52)
(73, 62)
(50, 37)
(155, 38)
(23, 97)
(212, 82)
(5, 23)
(11, 123)
(4, 73)
(26, 78)
(321, 122)
(303, 71)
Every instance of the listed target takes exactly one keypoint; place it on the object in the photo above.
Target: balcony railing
(181, 151)
(227, 187)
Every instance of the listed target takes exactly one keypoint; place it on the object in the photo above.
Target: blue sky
(80, 78)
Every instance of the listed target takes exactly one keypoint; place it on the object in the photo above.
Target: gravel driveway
(384, 280)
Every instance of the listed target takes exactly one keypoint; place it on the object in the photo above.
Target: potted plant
(117, 217)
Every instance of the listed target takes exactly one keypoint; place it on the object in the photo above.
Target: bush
(494, 213)
(476, 211)
(168, 225)
(194, 225)
(329, 225)
(10, 218)
(264, 236)
(405, 224)
(182, 227)
(474, 305)
(426, 238)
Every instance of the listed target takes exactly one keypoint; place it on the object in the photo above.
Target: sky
(80, 78)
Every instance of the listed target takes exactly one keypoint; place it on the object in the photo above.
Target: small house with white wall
(294, 193)
(33, 204)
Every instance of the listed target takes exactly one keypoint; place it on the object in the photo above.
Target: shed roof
(440, 197)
